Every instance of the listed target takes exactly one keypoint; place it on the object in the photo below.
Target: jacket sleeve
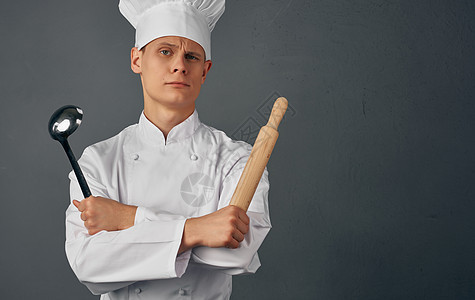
(108, 261)
(244, 259)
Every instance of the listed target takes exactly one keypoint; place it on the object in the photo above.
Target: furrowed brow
(167, 44)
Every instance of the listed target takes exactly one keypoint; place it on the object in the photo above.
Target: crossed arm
(223, 228)
(147, 245)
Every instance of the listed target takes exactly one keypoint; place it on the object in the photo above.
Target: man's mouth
(177, 83)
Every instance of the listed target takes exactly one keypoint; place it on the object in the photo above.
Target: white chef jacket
(192, 173)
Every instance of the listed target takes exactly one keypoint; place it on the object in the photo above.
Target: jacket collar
(153, 135)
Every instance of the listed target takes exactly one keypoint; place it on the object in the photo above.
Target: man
(158, 225)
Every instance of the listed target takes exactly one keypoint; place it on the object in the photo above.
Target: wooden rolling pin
(259, 157)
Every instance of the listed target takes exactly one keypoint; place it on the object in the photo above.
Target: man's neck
(166, 118)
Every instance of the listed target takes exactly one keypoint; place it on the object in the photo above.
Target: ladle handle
(77, 170)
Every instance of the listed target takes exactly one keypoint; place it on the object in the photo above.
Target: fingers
(243, 216)
(86, 214)
(93, 231)
(233, 244)
(77, 204)
(240, 222)
(81, 205)
(238, 236)
(241, 227)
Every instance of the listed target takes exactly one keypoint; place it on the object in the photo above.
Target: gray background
(372, 193)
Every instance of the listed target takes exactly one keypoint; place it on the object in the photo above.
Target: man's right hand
(100, 213)
(223, 228)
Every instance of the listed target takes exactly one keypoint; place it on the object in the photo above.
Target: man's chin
(175, 101)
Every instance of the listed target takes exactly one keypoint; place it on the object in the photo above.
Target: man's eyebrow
(167, 44)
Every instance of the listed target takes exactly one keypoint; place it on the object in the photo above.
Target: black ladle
(62, 124)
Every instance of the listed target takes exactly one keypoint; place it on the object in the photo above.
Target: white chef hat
(192, 19)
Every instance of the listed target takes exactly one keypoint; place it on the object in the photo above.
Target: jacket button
(181, 292)
(194, 157)
(135, 157)
(138, 290)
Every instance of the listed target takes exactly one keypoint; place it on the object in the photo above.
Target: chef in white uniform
(158, 225)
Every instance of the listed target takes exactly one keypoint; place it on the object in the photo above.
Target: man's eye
(189, 56)
(165, 52)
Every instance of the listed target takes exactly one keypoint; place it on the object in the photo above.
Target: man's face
(172, 70)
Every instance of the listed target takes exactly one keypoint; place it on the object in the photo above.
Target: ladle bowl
(63, 122)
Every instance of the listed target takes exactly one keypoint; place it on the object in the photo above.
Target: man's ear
(206, 68)
(136, 60)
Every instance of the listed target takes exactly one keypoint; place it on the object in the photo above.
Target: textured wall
(372, 177)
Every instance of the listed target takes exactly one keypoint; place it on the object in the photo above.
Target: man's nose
(179, 64)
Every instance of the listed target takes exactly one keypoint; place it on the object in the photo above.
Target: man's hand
(105, 214)
(223, 228)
